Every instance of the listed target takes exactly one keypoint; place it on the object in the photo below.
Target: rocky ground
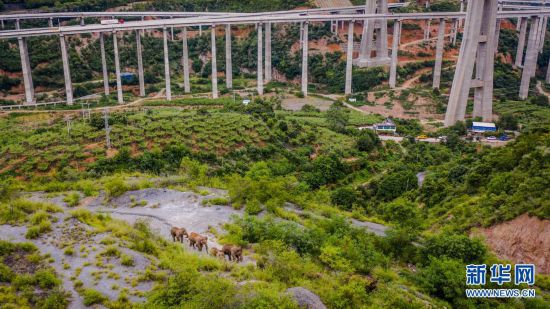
(88, 259)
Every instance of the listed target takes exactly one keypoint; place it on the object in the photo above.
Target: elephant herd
(233, 253)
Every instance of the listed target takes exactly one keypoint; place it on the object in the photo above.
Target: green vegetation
(27, 281)
(307, 173)
(298, 177)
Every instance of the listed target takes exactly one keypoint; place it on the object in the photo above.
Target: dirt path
(420, 41)
(541, 90)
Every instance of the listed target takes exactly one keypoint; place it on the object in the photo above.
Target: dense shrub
(460, 247)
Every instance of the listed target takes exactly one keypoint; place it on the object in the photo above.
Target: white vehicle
(111, 21)
(246, 101)
(352, 100)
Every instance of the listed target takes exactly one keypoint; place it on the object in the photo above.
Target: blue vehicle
(503, 138)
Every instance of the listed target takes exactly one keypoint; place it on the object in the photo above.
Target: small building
(388, 126)
(481, 127)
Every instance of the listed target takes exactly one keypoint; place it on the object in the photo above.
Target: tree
(444, 278)
(459, 247)
(402, 212)
(337, 117)
(394, 184)
(367, 140)
(507, 122)
(344, 197)
(540, 100)
(325, 170)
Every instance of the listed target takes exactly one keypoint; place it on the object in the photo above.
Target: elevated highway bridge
(480, 36)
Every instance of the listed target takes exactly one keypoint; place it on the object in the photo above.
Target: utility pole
(69, 124)
(107, 128)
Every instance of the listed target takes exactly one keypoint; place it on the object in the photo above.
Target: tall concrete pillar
(50, 23)
(301, 33)
(540, 32)
(547, 79)
(455, 32)
(260, 72)
(439, 54)
(200, 30)
(530, 59)
(478, 40)
(141, 78)
(27, 70)
(120, 98)
(544, 23)
(17, 24)
(349, 59)
(497, 30)
(370, 29)
(66, 70)
(214, 64)
(427, 29)
(522, 22)
(166, 65)
(172, 30)
(462, 10)
(2, 21)
(185, 60)
(82, 21)
(268, 73)
(305, 50)
(104, 64)
(228, 58)
(394, 52)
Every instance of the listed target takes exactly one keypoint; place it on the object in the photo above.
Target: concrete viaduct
(478, 47)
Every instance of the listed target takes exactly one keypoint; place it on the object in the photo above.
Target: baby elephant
(198, 241)
(178, 233)
(217, 253)
(233, 252)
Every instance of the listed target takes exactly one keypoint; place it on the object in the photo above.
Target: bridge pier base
(259, 62)
(477, 41)
(394, 53)
(104, 64)
(530, 63)
(268, 67)
(140, 64)
(120, 98)
(66, 70)
(185, 62)
(214, 63)
(439, 54)
(166, 65)
(228, 58)
(27, 70)
(349, 59)
(305, 51)
(522, 24)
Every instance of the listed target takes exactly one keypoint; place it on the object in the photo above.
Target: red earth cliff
(522, 240)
